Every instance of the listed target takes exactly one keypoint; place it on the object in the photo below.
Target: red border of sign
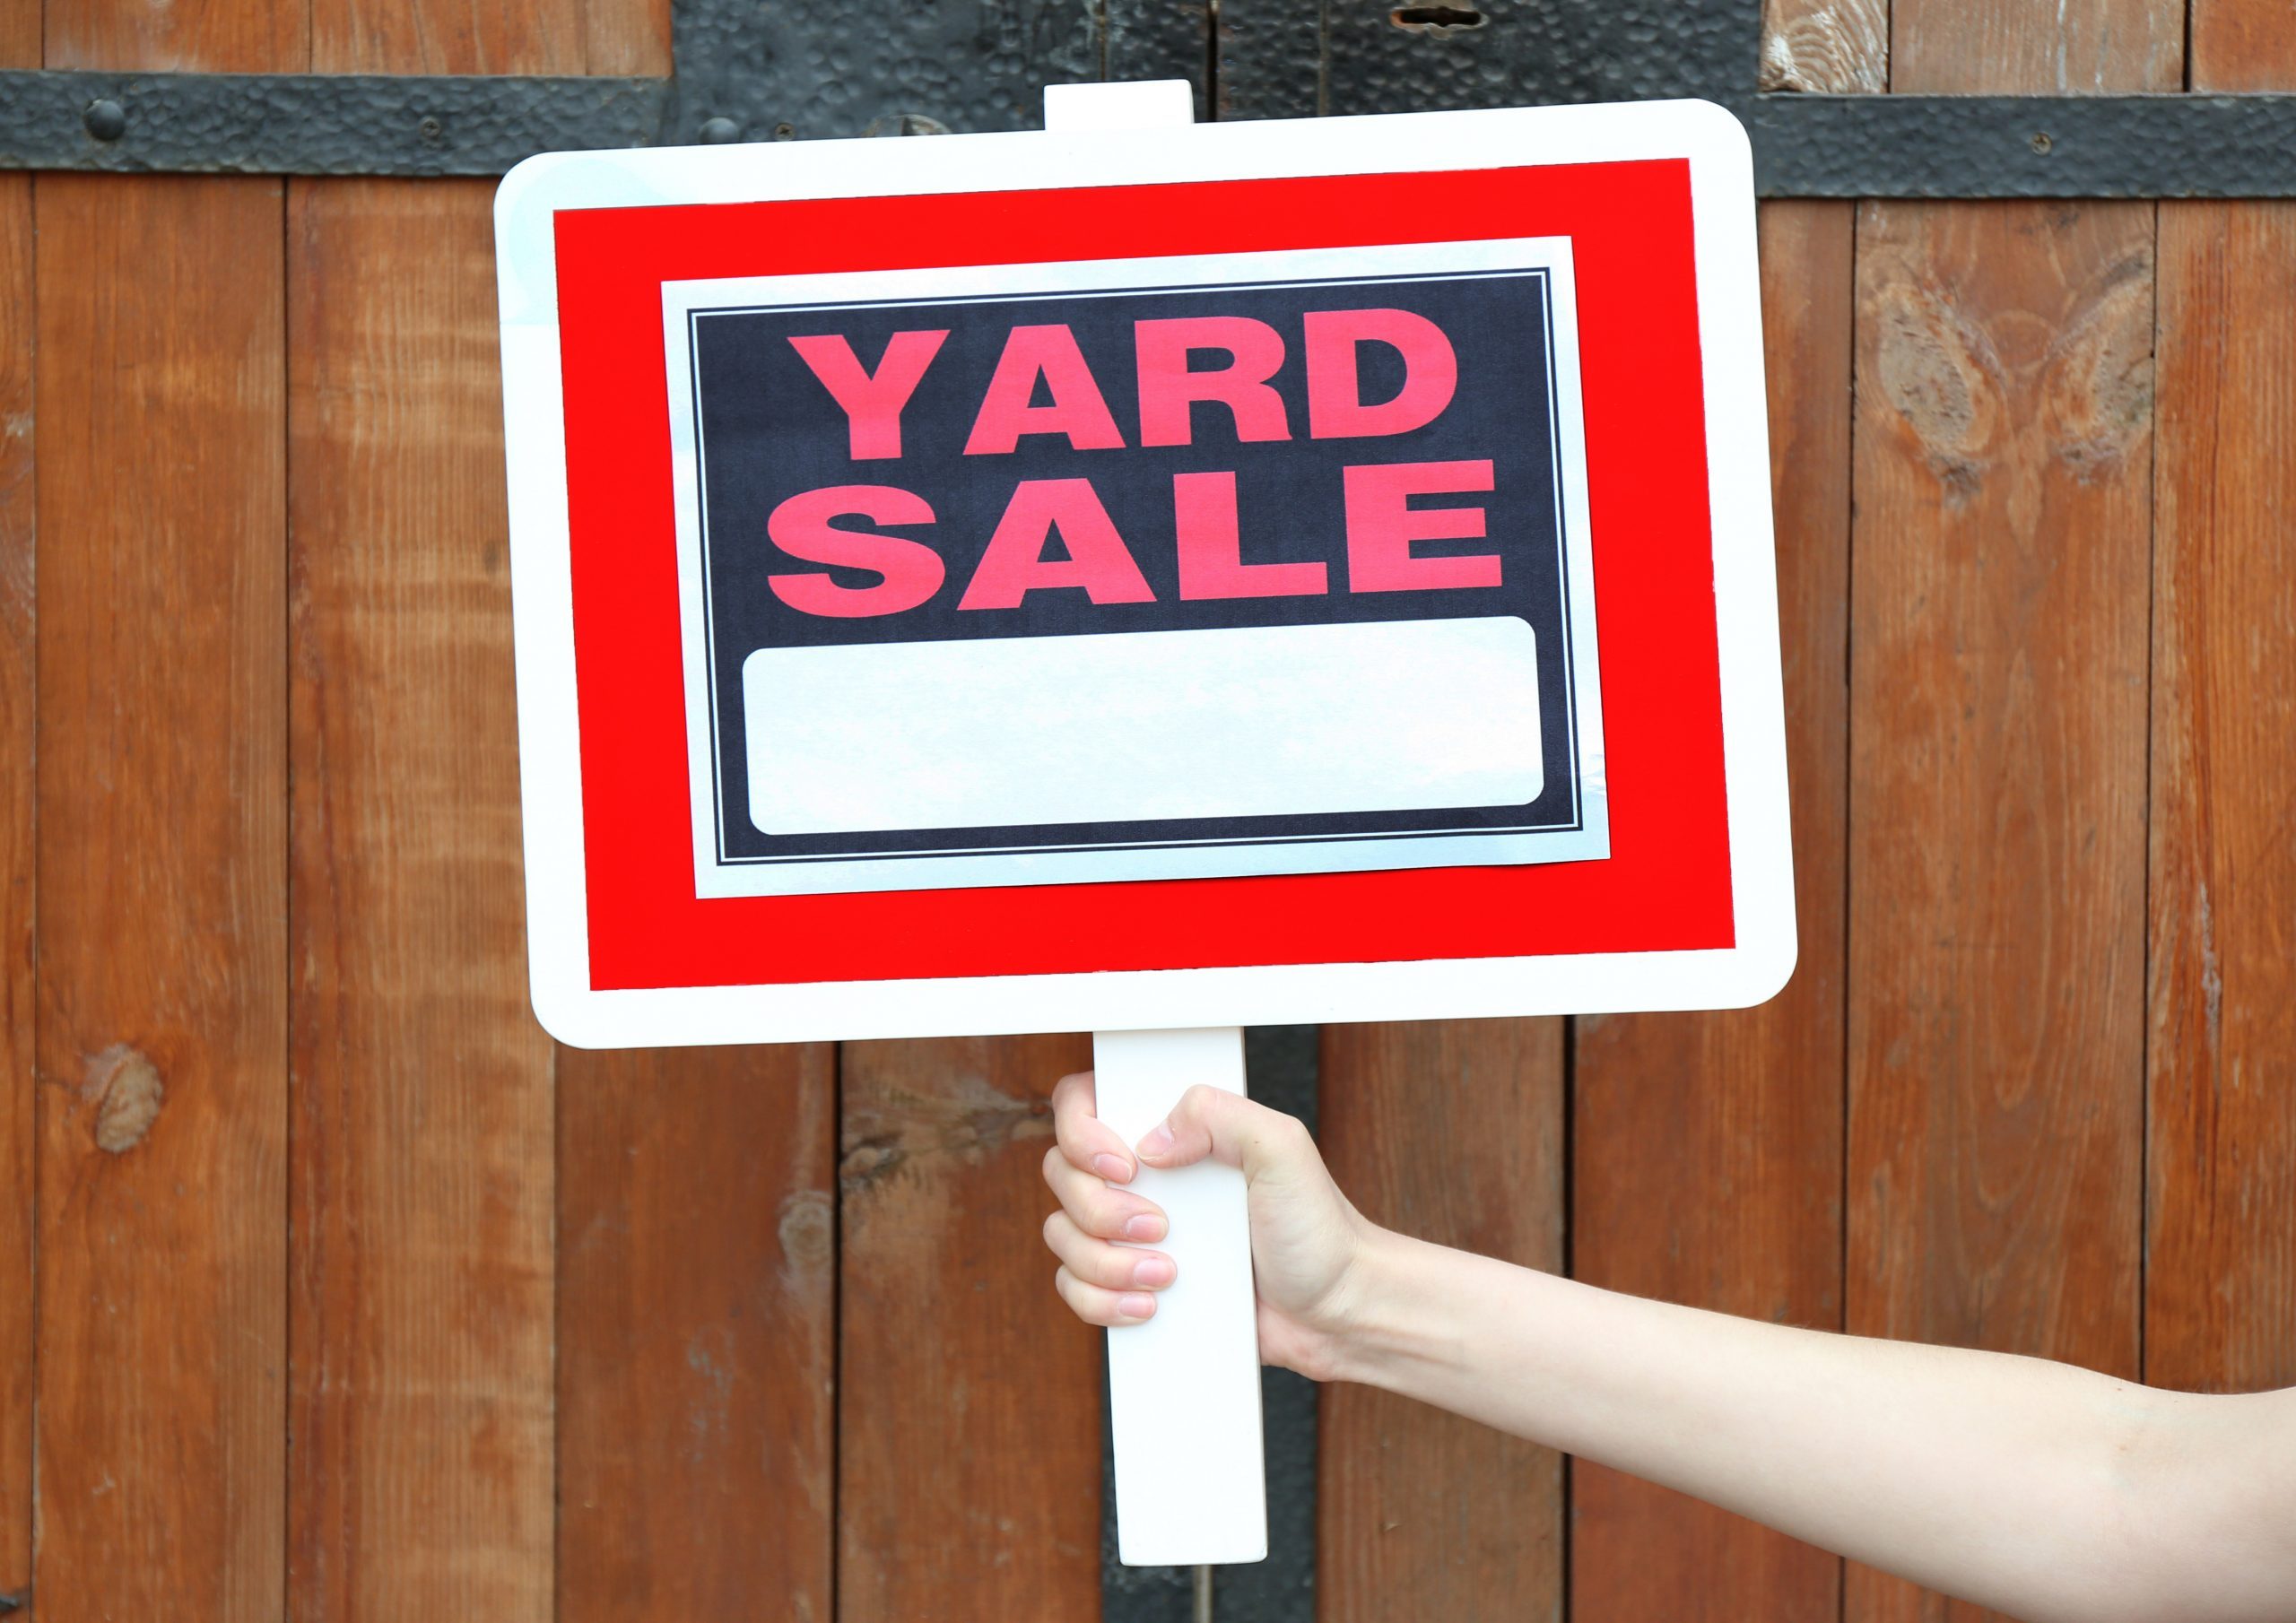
(1667, 884)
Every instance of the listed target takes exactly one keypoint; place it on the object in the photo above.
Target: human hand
(1307, 1239)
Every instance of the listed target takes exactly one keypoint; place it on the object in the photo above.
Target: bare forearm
(2048, 1491)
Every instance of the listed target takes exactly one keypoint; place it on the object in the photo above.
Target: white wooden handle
(1191, 1485)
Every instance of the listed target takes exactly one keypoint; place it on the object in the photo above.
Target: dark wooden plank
(1708, 1153)
(968, 1431)
(2242, 44)
(162, 898)
(2221, 1278)
(1998, 655)
(2036, 46)
(458, 37)
(697, 1324)
(422, 1385)
(18, 721)
(1450, 1132)
(182, 36)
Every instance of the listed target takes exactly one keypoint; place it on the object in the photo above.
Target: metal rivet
(2041, 143)
(431, 129)
(716, 132)
(107, 121)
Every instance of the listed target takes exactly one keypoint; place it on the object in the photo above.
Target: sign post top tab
(1144, 576)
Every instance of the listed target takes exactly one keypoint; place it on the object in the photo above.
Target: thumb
(1226, 1126)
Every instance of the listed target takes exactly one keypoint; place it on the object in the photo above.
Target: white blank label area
(1262, 721)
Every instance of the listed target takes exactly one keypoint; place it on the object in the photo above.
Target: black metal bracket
(746, 71)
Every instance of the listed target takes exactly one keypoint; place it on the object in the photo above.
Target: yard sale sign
(1187, 578)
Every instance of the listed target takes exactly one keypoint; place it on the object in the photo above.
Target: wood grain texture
(1998, 655)
(1450, 1132)
(1836, 47)
(18, 786)
(483, 37)
(2221, 1284)
(180, 36)
(1708, 1147)
(2036, 46)
(969, 1455)
(2243, 45)
(422, 1380)
(697, 1327)
(20, 26)
(162, 899)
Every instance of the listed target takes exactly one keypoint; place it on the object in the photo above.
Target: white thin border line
(1559, 256)
(1577, 823)
(1339, 838)
(1160, 290)
(1545, 274)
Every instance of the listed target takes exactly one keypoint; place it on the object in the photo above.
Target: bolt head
(106, 119)
(717, 130)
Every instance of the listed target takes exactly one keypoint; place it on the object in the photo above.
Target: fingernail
(1135, 1303)
(1147, 1226)
(1115, 1169)
(1154, 1272)
(1158, 1143)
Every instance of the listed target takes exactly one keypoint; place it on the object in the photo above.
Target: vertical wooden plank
(626, 37)
(458, 37)
(1834, 46)
(2243, 45)
(2221, 1283)
(2036, 46)
(17, 787)
(1998, 655)
(697, 1308)
(421, 1385)
(1451, 1131)
(162, 908)
(19, 43)
(180, 36)
(1708, 1154)
(969, 1432)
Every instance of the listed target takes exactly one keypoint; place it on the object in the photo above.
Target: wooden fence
(330, 1289)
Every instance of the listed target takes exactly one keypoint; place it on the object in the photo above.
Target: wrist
(1398, 1320)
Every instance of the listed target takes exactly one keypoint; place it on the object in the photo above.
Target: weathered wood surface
(1999, 653)
(1833, 47)
(1452, 1131)
(2221, 1284)
(421, 1305)
(162, 977)
(458, 36)
(1707, 1155)
(968, 1421)
(2026, 1108)
(2036, 46)
(697, 1270)
(18, 872)
(185, 37)
(2242, 44)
